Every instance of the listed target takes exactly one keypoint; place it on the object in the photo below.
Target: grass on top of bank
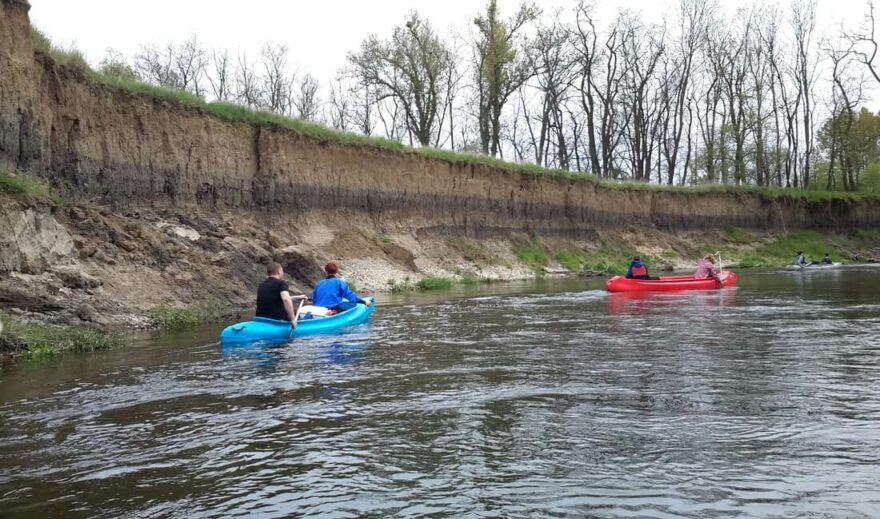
(74, 59)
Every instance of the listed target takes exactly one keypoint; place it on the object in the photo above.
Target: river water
(550, 398)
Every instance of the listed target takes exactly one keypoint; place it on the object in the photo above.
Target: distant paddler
(706, 268)
(638, 270)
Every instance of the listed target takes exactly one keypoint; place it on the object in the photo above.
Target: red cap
(331, 268)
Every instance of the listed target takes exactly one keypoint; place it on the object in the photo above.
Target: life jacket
(640, 270)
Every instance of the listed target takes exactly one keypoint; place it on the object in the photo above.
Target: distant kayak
(814, 266)
(669, 283)
(261, 329)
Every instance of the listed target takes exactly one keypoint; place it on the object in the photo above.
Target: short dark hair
(273, 268)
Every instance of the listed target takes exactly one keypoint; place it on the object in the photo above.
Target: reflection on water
(556, 399)
(697, 301)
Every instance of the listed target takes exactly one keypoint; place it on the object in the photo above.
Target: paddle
(717, 276)
(295, 318)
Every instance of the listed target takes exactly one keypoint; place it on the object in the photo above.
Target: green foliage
(532, 255)
(171, 318)
(434, 283)
(612, 262)
(71, 57)
(869, 180)
(469, 249)
(209, 309)
(866, 238)
(26, 186)
(118, 69)
(572, 259)
(469, 280)
(399, 287)
(734, 235)
(39, 341)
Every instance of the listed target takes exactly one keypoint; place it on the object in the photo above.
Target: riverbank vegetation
(209, 309)
(543, 105)
(20, 185)
(30, 341)
(781, 250)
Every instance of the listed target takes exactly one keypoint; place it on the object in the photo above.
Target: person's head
(710, 258)
(800, 252)
(827, 254)
(331, 269)
(637, 258)
(274, 270)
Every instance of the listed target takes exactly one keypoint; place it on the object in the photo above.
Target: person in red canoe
(706, 268)
(638, 270)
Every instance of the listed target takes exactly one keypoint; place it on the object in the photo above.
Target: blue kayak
(262, 329)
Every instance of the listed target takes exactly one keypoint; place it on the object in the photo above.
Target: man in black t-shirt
(273, 297)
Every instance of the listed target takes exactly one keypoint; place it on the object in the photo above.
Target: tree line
(757, 97)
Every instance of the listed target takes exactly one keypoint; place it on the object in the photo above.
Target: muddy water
(527, 400)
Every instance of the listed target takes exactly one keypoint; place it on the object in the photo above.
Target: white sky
(318, 33)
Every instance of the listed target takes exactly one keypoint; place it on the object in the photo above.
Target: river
(549, 398)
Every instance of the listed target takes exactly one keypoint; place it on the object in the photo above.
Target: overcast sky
(319, 34)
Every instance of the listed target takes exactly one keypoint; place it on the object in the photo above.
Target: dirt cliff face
(166, 204)
(99, 142)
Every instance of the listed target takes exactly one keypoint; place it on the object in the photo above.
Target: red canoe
(669, 283)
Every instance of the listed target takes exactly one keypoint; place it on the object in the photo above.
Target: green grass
(171, 318)
(399, 287)
(572, 259)
(781, 250)
(469, 280)
(25, 186)
(235, 113)
(733, 235)
(71, 57)
(434, 283)
(40, 341)
(532, 256)
(208, 309)
(610, 261)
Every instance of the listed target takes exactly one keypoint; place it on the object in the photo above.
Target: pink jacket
(705, 269)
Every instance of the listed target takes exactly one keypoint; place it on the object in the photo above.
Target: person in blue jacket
(637, 269)
(332, 291)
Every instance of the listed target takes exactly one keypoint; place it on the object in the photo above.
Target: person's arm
(288, 305)
(349, 294)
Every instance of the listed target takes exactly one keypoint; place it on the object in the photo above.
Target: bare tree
(247, 83)
(221, 76)
(554, 66)
(412, 68)
(306, 99)
(156, 66)
(276, 83)
(339, 106)
(641, 50)
(803, 24)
